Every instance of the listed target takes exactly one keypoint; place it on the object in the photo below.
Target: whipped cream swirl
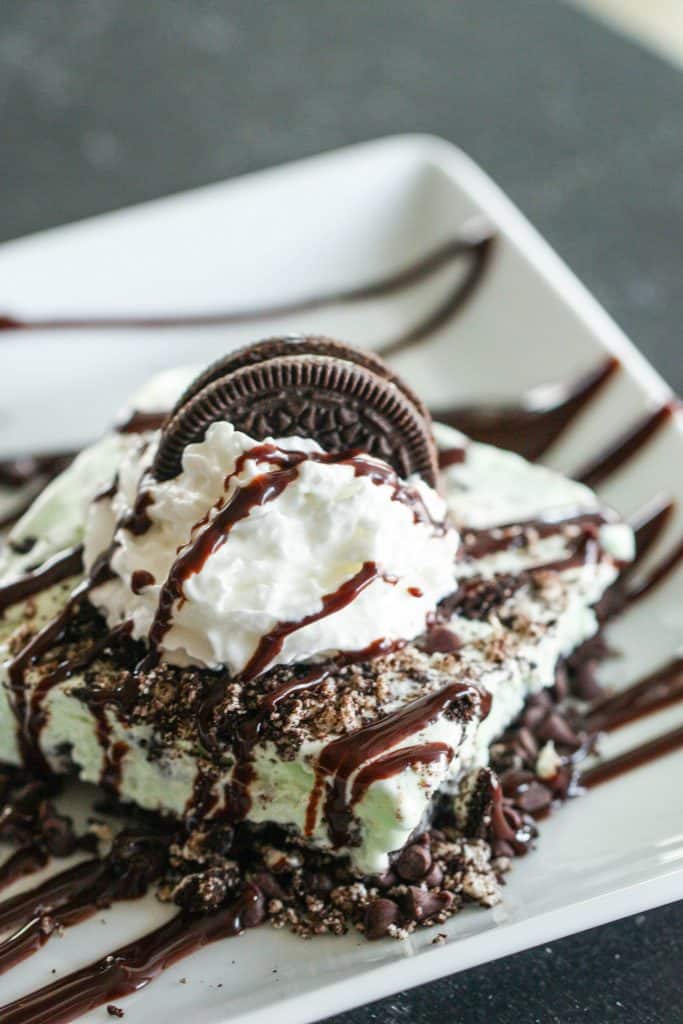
(266, 553)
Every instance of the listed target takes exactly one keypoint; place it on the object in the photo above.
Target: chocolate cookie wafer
(338, 402)
(295, 345)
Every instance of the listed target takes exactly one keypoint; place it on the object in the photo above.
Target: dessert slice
(300, 631)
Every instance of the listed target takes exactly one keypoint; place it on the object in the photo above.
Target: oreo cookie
(296, 345)
(339, 402)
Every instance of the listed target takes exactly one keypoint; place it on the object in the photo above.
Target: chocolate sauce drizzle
(605, 771)
(211, 533)
(656, 575)
(133, 966)
(532, 425)
(648, 525)
(24, 469)
(237, 798)
(485, 541)
(138, 520)
(272, 643)
(29, 710)
(140, 580)
(656, 691)
(24, 861)
(342, 757)
(626, 446)
(395, 762)
(476, 250)
(54, 570)
(451, 457)
(135, 860)
(33, 472)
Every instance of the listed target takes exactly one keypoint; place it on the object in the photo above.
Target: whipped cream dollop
(265, 553)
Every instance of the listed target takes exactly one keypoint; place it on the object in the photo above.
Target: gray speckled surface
(108, 102)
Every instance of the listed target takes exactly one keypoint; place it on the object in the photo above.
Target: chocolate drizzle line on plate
(656, 575)
(658, 690)
(532, 425)
(605, 771)
(476, 251)
(133, 966)
(626, 446)
(74, 895)
(648, 525)
(24, 861)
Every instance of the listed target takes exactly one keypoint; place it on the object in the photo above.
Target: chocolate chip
(27, 799)
(561, 782)
(254, 912)
(440, 640)
(115, 1011)
(512, 781)
(58, 834)
(434, 877)
(385, 881)
(555, 727)
(420, 905)
(533, 797)
(501, 848)
(414, 862)
(527, 743)
(379, 917)
(269, 886)
(585, 683)
(217, 839)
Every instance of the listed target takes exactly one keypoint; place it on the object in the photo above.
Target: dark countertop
(109, 102)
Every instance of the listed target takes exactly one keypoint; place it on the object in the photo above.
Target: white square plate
(322, 224)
